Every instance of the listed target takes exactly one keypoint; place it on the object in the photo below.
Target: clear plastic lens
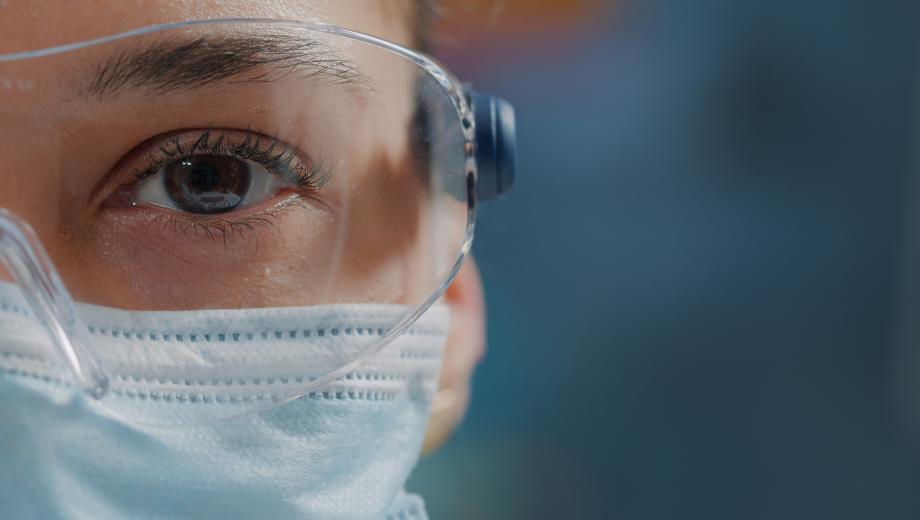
(236, 166)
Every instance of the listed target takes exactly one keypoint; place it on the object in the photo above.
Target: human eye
(220, 175)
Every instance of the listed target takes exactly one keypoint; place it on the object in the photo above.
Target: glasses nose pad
(24, 261)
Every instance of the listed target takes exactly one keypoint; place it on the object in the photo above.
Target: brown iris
(207, 184)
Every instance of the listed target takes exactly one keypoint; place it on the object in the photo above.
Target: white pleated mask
(343, 451)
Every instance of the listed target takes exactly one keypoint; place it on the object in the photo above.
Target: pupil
(207, 184)
(203, 176)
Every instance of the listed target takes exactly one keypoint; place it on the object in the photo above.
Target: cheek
(386, 235)
(157, 260)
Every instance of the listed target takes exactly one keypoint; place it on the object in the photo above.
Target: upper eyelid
(174, 146)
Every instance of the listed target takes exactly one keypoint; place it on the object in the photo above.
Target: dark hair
(423, 12)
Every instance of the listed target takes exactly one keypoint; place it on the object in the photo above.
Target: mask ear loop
(27, 261)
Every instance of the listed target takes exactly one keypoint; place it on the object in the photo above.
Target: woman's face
(322, 168)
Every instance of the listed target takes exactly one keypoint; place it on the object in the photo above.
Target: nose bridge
(29, 181)
(33, 165)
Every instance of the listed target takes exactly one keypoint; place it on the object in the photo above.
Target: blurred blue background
(697, 291)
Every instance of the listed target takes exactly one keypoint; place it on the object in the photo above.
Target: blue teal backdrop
(694, 291)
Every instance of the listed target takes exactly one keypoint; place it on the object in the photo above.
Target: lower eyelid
(266, 208)
(230, 227)
(243, 232)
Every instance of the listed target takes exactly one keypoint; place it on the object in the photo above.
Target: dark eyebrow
(174, 65)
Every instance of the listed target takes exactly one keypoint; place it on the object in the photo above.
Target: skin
(106, 252)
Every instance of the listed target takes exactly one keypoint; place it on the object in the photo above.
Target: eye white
(262, 186)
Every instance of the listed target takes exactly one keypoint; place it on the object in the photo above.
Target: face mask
(340, 452)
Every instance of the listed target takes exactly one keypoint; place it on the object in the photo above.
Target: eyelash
(230, 229)
(276, 157)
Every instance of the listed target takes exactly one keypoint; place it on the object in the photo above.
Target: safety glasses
(235, 164)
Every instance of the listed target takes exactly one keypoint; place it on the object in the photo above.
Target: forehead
(26, 24)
